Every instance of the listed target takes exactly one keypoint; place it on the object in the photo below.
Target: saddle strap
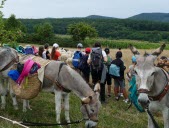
(57, 81)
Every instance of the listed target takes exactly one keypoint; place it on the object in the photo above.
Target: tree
(1, 23)
(81, 30)
(12, 23)
(44, 32)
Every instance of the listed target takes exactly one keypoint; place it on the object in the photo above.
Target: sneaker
(121, 95)
(126, 101)
(117, 98)
(109, 95)
(103, 102)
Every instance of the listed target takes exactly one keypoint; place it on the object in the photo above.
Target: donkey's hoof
(29, 107)
(24, 109)
(3, 106)
(16, 107)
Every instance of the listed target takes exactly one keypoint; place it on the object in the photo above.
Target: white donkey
(153, 85)
(68, 79)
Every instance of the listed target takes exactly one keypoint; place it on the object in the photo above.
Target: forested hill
(162, 17)
(98, 17)
(109, 28)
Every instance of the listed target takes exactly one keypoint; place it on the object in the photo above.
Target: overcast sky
(82, 8)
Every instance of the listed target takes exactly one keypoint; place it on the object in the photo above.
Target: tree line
(109, 28)
(40, 31)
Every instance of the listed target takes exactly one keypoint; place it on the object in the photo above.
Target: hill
(99, 17)
(161, 17)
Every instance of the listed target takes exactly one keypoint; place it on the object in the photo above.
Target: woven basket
(27, 91)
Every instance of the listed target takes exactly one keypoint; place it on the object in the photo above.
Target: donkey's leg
(3, 101)
(66, 106)
(26, 105)
(165, 113)
(3, 93)
(58, 97)
(13, 96)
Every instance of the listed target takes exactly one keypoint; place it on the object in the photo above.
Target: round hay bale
(29, 88)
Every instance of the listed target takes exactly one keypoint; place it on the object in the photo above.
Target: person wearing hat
(77, 56)
(131, 72)
(55, 54)
(120, 81)
(83, 65)
(108, 76)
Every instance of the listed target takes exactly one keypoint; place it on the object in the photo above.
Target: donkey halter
(162, 93)
(14, 60)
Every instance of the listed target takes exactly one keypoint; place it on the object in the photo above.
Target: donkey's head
(90, 108)
(145, 71)
(8, 56)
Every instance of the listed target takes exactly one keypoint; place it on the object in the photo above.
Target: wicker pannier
(29, 88)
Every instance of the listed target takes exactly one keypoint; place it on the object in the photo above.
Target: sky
(82, 8)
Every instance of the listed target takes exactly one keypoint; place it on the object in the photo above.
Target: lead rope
(47, 124)
(14, 122)
(152, 118)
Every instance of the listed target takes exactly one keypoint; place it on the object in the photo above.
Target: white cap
(79, 45)
(55, 45)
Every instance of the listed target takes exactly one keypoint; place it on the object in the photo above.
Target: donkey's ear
(159, 50)
(133, 50)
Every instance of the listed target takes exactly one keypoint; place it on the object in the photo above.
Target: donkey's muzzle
(144, 103)
(143, 100)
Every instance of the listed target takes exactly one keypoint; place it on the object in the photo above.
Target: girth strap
(57, 82)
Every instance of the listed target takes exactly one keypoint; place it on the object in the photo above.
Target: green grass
(112, 115)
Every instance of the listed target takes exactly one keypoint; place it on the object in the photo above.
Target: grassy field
(112, 115)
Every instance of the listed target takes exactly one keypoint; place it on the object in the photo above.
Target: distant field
(112, 115)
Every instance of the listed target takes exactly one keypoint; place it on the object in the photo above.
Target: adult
(120, 81)
(98, 69)
(55, 54)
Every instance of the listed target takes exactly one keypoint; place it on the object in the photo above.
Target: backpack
(29, 50)
(20, 49)
(83, 63)
(96, 59)
(76, 59)
(133, 95)
(114, 70)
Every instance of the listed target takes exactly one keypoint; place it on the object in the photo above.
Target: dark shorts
(119, 83)
(96, 76)
(108, 79)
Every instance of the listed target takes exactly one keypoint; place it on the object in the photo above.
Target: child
(46, 52)
(108, 76)
(77, 56)
(55, 54)
(83, 65)
(120, 81)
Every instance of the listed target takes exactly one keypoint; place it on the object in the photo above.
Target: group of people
(44, 52)
(96, 62)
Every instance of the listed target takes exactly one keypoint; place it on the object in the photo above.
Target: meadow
(114, 114)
